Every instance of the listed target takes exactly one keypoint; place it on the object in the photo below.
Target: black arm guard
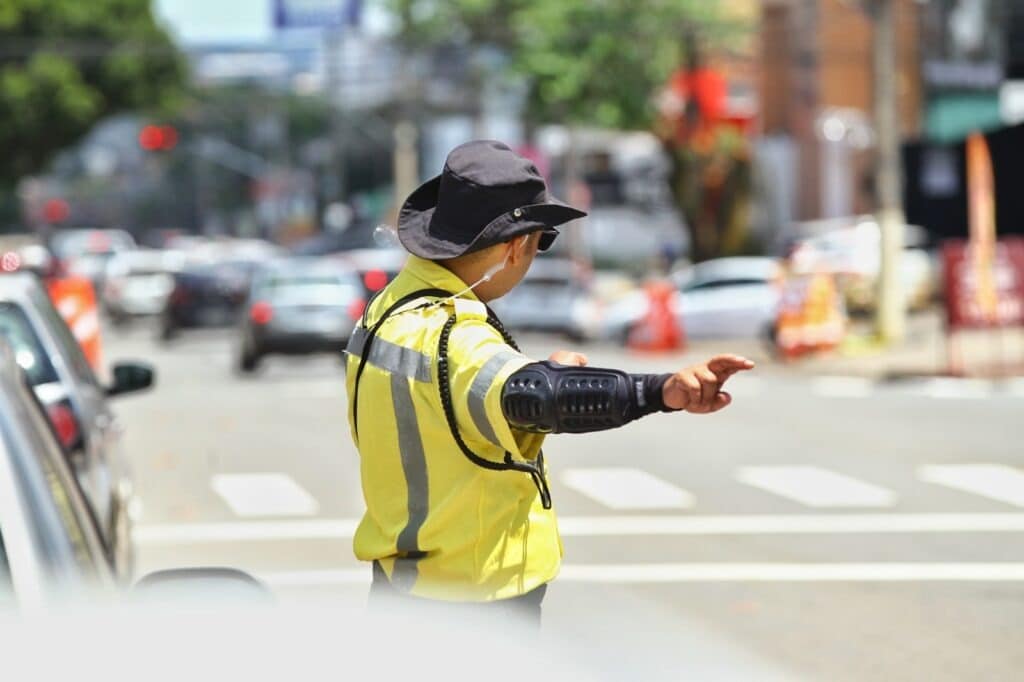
(546, 397)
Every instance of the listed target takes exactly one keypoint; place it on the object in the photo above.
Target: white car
(717, 299)
(853, 256)
(138, 282)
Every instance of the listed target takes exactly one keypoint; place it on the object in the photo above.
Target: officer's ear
(519, 247)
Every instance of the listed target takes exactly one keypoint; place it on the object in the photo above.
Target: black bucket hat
(486, 194)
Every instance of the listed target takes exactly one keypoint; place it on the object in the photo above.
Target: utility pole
(891, 311)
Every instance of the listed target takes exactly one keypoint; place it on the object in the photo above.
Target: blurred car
(51, 548)
(49, 538)
(76, 404)
(85, 252)
(207, 295)
(138, 283)
(853, 256)
(554, 297)
(375, 267)
(718, 299)
(300, 306)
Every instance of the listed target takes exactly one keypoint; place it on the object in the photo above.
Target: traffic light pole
(891, 308)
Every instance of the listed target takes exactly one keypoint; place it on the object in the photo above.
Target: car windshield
(16, 329)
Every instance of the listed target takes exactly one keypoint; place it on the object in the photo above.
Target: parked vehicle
(554, 297)
(718, 299)
(137, 283)
(76, 404)
(300, 306)
(51, 546)
(85, 252)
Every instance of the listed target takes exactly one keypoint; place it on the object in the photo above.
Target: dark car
(300, 306)
(76, 404)
(208, 295)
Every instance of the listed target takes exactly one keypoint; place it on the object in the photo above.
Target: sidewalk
(924, 353)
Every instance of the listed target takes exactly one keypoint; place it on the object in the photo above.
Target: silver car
(554, 297)
(300, 306)
(51, 549)
(76, 404)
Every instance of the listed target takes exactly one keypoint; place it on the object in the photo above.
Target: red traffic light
(154, 138)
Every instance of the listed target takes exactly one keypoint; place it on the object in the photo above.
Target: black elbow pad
(548, 398)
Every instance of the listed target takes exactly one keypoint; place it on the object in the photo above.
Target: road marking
(264, 494)
(816, 487)
(238, 531)
(714, 572)
(843, 387)
(994, 481)
(804, 572)
(1014, 387)
(957, 389)
(591, 526)
(626, 488)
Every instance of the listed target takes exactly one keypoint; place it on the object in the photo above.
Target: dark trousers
(524, 609)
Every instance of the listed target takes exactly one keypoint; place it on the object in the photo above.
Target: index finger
(729, 364)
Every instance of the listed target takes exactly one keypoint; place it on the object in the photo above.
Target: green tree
(594, 62)
(65, 64)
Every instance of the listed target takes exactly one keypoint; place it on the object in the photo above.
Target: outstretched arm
(549, 397)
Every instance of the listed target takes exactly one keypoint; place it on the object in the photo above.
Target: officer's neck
(470, 270)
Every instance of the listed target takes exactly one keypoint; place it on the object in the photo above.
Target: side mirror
(130, 377)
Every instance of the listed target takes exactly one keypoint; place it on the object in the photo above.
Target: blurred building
(816, 98)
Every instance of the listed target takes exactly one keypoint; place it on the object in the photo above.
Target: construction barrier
(811, 317)
(75, 300)
(658, 329)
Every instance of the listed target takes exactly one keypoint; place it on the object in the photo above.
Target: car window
(70, 348)
(16, 329)
(723, 283)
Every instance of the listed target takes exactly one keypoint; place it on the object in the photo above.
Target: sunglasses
(547, 238)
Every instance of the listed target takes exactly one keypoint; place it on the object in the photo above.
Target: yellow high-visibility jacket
(440, 525)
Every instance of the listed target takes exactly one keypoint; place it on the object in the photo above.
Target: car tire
(249, 362)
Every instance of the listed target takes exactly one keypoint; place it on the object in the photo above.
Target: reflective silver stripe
(356, 342)
(391, 357)
(478, 392)
(414, 466)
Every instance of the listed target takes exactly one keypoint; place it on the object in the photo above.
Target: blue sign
(317, 13)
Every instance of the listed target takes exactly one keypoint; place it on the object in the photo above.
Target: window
(16, 329)
(70, 349)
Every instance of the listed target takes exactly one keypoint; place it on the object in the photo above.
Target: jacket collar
(434, 275)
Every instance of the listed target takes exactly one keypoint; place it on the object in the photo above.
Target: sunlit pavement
(821, 528)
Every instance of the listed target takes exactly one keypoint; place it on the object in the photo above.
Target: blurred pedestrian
(449, 416)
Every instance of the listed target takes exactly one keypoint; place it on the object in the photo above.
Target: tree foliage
(65, 64)
(596, 62)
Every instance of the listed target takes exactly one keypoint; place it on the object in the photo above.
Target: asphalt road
(820, 528)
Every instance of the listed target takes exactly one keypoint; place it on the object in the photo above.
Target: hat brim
(415, 217)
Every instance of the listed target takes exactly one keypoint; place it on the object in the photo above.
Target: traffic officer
(449, 416)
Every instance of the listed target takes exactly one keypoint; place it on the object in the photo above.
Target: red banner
(968, 303)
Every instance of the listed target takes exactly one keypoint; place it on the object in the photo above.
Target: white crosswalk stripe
(624, 488)
(994, 481)
(816, 487)
(264, 494)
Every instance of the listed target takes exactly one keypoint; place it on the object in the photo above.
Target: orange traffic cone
(658, 330)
